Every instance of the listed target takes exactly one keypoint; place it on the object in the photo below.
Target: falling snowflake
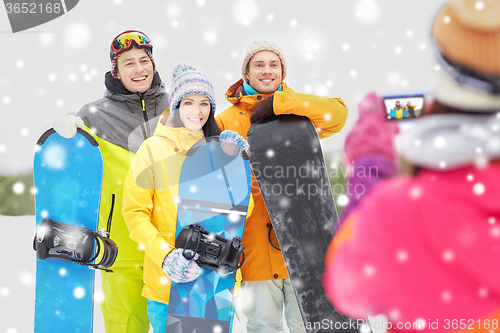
(284, 203)
(439, 142)
(368, 270)
(479, 5)
(173, 10)
(294, 23)
(448, 256)
(446, 296)
(364, 328)
(193, 189)
(55, 156)
(210, 36)
(47, 38)
(18, 188)
(77, 35)
(478, 189)
(62, 272)
(419, 324)
(394, 314)
(394, 78)
(483, 292)
(98, 297)
(26, 278)
(245, 12)
(367, 11)
(4, 292)
(342, 200)
(415, 192)
(491, 220)
(233, 217)
(470, 177)
(79, 292)
(270, 153)
(402, 255)
(495, 232)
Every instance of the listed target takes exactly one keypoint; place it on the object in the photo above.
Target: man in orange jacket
(266, 286)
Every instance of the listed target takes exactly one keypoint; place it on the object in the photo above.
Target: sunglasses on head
(124, 41)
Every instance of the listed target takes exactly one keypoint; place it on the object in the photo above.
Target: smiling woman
(194, 110)
(150, 187)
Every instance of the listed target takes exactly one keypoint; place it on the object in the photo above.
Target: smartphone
(403, 107)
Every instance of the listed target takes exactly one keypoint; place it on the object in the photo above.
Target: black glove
(262, 109)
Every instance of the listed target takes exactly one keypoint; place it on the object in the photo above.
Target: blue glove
(232, 143)
(180, 269)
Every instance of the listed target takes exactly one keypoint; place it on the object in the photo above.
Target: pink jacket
(422, 249)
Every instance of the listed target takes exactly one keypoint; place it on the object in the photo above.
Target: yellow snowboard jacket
(149, 201)
(328, 115)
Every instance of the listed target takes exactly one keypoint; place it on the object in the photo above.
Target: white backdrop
(336, 48)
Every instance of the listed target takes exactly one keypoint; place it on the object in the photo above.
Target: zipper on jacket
(110, 217)
(144, 113)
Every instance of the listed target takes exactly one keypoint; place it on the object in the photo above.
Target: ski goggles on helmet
(124, 41)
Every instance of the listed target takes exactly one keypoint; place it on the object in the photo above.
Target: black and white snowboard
(287, 161)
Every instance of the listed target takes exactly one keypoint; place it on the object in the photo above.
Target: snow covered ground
(17, 280)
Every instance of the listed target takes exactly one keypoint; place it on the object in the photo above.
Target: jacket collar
(182, 138)
(116, 88)
(234, 94)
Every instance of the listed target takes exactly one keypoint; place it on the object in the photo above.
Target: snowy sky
(336, 48)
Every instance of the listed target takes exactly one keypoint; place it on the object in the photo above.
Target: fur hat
(466, 36)
(187, 80)
(258, 46)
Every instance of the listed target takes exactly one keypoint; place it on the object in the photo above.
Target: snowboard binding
(215, 253)
(66, 242)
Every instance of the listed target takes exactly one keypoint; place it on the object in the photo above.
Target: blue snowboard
(67, 176)
(214, 190)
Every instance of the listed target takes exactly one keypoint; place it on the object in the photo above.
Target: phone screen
(402, 107)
